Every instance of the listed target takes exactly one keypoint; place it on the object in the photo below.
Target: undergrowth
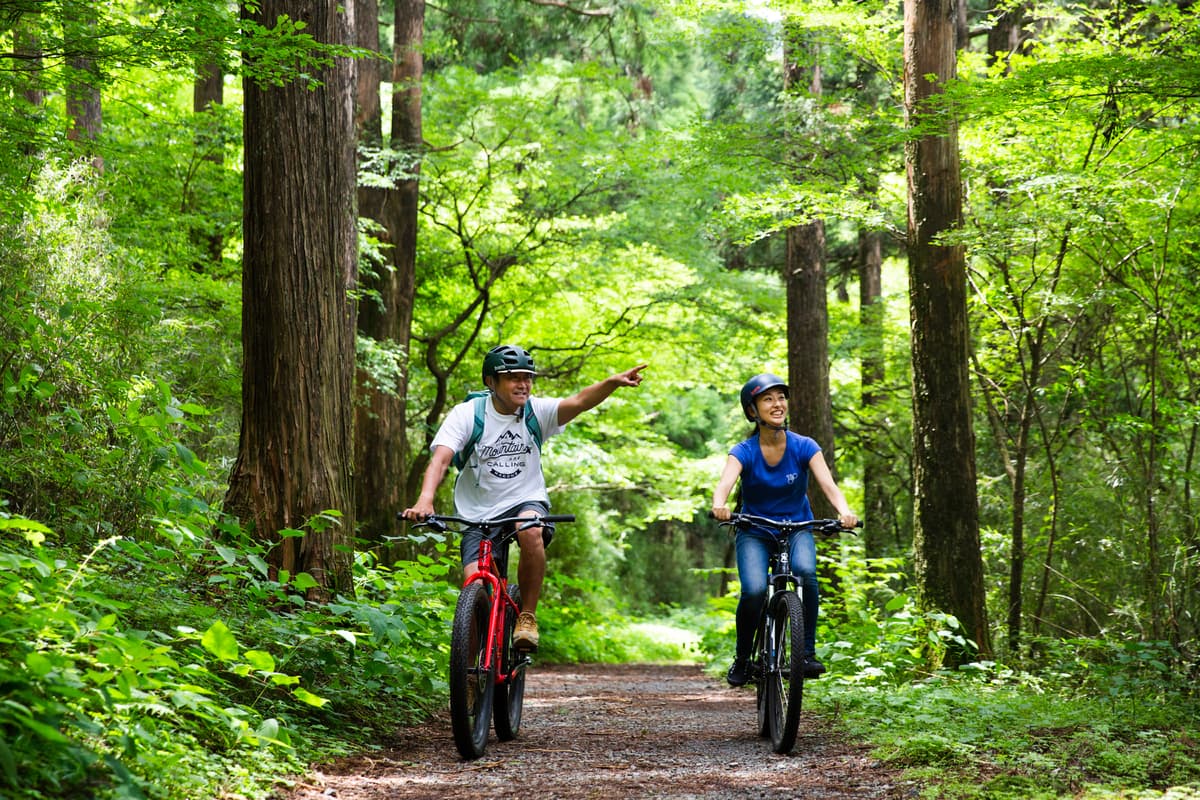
(990, 732)
(172, 667)
(1093, 718)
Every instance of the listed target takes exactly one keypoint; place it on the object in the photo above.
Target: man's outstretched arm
(597, 393)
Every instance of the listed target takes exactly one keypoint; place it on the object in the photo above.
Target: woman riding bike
(774, 465)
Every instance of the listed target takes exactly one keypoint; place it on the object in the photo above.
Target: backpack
(480, 399)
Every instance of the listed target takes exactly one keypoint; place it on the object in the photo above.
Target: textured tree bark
(947, 558)
(809, 403)
(295, 453)
(877, 505)
(83, 83)
(808, 345)
(381, 439)
(208, 91)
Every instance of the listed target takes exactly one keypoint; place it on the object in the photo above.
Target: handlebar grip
(558, 518)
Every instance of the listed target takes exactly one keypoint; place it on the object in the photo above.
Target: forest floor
(628, 731)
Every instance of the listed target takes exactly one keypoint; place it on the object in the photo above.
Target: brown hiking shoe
(525, 635)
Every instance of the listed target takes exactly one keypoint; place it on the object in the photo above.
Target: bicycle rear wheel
(785, 672)
(764, 725)
(471, 685)
(510, 693)
(758, 674)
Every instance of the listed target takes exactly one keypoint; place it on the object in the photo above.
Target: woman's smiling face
(772, 406)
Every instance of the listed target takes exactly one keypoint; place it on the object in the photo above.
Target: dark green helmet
(507, 358)
(756, 386)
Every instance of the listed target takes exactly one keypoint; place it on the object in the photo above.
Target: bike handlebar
(787, 526)
(439, 521)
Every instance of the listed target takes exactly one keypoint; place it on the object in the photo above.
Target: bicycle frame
(487, 672)
(490, 572)
(779, 579)
(779, 570)
(779, 663)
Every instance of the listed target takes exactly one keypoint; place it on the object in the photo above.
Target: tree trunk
(877, 506)
(947, 559)
(295, 453)
(83, 81)
(27, 47)
(808, 347)
(386, 314)
(208, 90)
(807, 315)
(368, 110)
(1004, 37)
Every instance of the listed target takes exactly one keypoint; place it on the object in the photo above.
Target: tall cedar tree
(386, 313)
(807, 313)
(946, 549)
(296, 450)
(83, 83)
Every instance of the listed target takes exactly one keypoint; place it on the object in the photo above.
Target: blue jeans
(754, 548)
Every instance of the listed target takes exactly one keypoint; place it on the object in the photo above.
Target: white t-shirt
(505, 468)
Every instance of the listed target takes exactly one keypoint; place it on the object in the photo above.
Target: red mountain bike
(778, 666)
(487, 674)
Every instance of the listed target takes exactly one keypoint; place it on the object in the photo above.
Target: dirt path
(636, 731)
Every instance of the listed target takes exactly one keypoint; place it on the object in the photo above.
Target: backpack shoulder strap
(534, 427)
(461, 457)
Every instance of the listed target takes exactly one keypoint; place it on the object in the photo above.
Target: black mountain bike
(777, 669)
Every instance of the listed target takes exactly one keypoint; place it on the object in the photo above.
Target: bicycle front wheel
(785, 671)
(471, 683)
(510, 694)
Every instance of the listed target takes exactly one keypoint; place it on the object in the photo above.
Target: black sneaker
(813, 668)
(739, 672)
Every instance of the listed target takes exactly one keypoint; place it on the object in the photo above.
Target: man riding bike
(501, 469)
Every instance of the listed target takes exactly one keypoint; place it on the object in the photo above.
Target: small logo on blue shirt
(791, 478)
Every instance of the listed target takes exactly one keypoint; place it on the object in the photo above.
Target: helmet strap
(762, 423)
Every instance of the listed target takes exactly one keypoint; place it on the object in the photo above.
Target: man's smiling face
(511, 391)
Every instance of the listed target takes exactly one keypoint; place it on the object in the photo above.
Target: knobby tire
(785, 678)
(471, 688)
(510, 694)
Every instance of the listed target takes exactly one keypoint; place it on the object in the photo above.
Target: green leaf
(35, 532)
(38, 664)
(304, 581)
(220, 641)
(47, 732)
(308, 697)
(261, 660)
(259, 564)
(8, 764)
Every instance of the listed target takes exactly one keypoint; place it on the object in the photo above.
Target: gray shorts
(471, 537)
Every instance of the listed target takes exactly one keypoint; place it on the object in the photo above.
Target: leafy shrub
(582, 621)
(123, 680)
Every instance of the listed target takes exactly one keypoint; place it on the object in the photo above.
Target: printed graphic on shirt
(506, 457)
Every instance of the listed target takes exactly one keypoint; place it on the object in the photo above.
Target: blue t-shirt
(781, 491)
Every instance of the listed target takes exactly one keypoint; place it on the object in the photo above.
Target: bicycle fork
(777, 581)
(500, 605)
